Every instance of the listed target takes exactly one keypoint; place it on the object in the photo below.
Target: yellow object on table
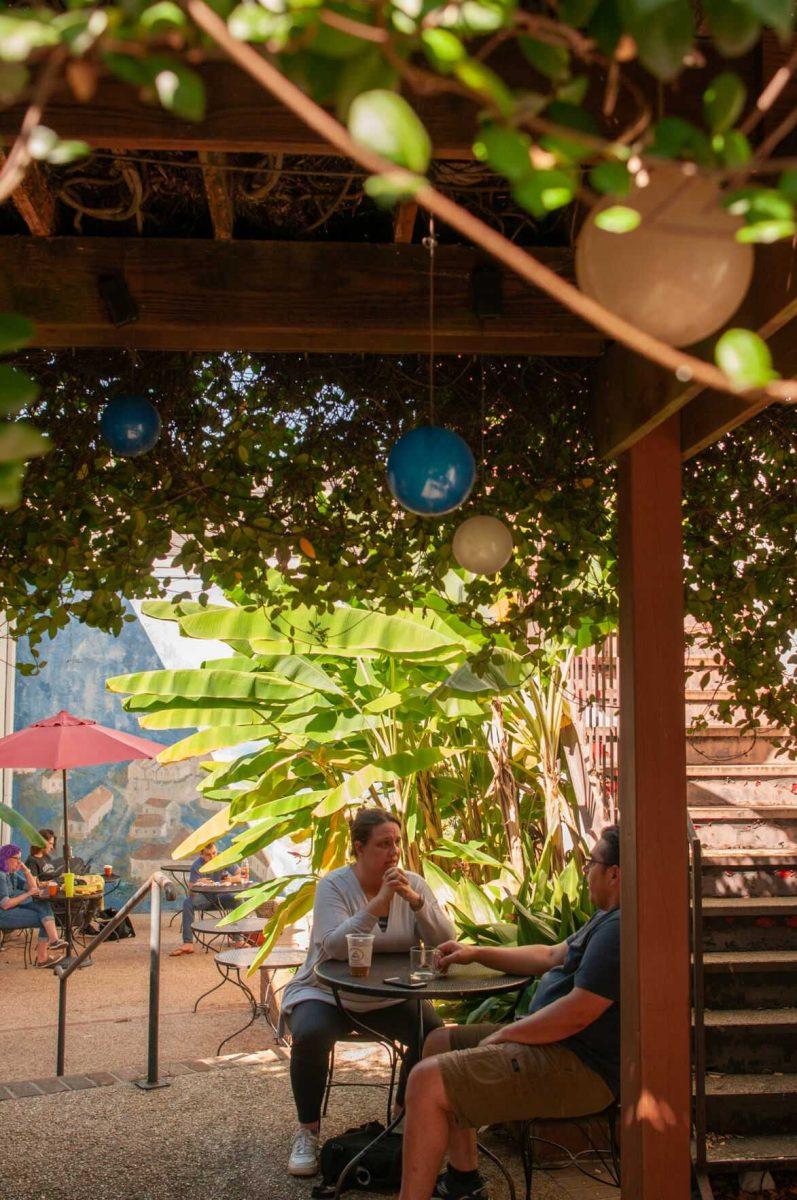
(89, 885)
(69, 884)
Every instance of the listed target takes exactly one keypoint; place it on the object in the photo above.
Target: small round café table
(453, 986)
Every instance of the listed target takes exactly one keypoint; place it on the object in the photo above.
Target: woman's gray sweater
(340, 908)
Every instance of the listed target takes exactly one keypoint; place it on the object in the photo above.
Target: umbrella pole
(67, 867)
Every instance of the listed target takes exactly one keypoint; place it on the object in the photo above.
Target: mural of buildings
(88, 812)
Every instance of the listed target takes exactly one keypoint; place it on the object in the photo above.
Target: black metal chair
(608, 1155)
(19, 939)
(394, 1059)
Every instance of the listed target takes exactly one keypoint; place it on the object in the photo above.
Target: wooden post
(656, 1077)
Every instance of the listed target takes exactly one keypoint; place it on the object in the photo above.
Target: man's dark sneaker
(454, 1189)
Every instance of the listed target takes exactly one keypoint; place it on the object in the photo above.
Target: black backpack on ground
(125, 930)
(378, 1171)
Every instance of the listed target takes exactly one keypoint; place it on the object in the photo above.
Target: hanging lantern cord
(430, 243)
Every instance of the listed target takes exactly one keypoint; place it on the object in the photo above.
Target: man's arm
(555, 1022)
(515, 960)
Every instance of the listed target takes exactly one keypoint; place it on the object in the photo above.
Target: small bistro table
(232, 965)
(453, 986)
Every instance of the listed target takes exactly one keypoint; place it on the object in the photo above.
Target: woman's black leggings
(315, 1027)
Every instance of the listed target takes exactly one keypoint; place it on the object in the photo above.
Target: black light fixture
(120, 306)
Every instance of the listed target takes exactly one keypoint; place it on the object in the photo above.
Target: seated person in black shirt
(39, 862)
(561, 1061)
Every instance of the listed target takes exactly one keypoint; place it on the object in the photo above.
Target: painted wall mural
(131, 815)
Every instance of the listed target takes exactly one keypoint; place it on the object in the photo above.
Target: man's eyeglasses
(594, 862)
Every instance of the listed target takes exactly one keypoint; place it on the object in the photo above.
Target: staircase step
(752, 856)
(750, 906)
(743, 1018)
(737, 961)
(738, 812)
(751, 1103)
(776, 1150)
(765, 770)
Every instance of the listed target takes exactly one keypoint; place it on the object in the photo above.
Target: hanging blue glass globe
(431, 471)
(130, 425)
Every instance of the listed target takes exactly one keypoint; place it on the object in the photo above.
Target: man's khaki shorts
(487, 1085)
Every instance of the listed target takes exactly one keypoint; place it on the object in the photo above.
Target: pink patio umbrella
(64, 741)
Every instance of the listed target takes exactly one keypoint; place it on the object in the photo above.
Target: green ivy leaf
(364, 74)
(485, 83)
(551, 61)
(734, 28)
(477, 16)
(766, 232)
(664, 39)
(577, 12)
(611, 178)
(11, 477)
(505, 150)
(723, 102)
(180, 90)
(673, 137)
(21, 441)
(15, 332)
(387, 190)
(618, 219)
(745, 358)
(443, 49)
(787, 184)
(22, 33)
(162, 16)
(544, 191)
(128, 68)
(732, 148)
(384, 122)
(16, 389)
(775, 14)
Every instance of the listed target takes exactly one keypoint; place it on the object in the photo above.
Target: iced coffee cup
(361, 949)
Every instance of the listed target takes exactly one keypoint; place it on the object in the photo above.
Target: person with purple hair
(22, 904)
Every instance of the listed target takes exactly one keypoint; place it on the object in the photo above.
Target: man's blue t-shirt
(195, 876)
(592, 963)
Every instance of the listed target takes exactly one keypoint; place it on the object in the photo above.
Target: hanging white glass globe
(680, 275)
(482, 545)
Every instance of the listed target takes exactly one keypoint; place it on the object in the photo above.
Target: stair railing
(156, 884)
(698, 1003)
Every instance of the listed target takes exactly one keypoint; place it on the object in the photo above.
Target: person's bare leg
(462, 1149)
(42, 947)
(426, 1131)
(50, 929)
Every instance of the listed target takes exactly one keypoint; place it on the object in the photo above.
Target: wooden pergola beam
(240, 118)
(34, 200)
(278, 296)
(404, 218)
(218, 193)
(634, 396)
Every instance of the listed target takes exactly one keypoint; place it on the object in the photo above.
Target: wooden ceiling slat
(240, 117)
(404, 221)
(278, 296)
(218, 192)
(34, 200)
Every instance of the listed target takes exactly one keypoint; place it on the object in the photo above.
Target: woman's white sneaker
(304, 1153)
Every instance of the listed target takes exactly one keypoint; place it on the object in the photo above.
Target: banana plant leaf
(11, 817)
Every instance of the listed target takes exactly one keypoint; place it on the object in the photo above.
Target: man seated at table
(202, 902)
(561, 1061)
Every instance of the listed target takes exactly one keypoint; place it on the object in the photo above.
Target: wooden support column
(656, 1076)
(218, 192)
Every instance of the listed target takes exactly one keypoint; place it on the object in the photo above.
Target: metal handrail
(153, 887)
(696, 876)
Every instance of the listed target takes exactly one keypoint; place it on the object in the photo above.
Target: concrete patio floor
(221, 1130)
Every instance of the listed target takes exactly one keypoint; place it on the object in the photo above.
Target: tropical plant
(15, 820)
(349, 705)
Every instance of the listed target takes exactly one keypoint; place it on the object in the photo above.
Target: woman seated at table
(22, 905)
(39, 862)
(372, 896)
